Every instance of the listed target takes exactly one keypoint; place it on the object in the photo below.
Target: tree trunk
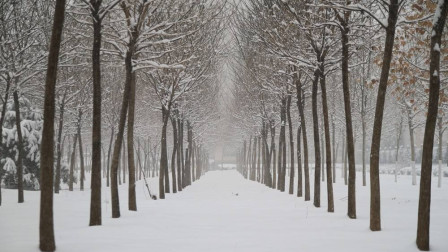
(272, 154)
(282, 147)
(300, 105)
(254, 159)
(299, 165)
(119, 139)
(108, 156)
(132, 202)
(19, 164)
(95, 193)
(81, 154)
(398, 147)
(424, 203)
(411, 140)
(335, 153)
(178, 156)
(267, 157)
(173, 156)
(163, 154)
(57, 181)
(439, 150)
(123, 163)
(327, 142)
(375, 207)
(291, 144)
(72, 163)
(46, 227)
(316, 141)
(190, 147)
(350, 148)
(258, 177)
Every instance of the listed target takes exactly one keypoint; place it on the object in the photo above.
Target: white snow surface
(224, 212)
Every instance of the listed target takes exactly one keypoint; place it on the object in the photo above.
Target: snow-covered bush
(31, 127)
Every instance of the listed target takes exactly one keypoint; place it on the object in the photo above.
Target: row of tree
(160, 58)
(306, 52)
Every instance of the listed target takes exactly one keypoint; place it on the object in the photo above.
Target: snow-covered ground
(224, 212)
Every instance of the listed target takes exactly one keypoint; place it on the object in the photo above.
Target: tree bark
(375, 204)
(119, 139)
(178, 156)
(327, 142)
(299, 165)
(316, 141)
(282, 147)
(300, 105)
(57, 181)
(19, 165)
(72, 163)
(95, 184)
(112, 134)
(163, 154)
(254, 159)
(291, 144)
(412, 143)
(81, 154)
(132, 202)
(398, 147)
(439, 150)
(350, 148)
(173, 156)
(46, 227)
(424, 203)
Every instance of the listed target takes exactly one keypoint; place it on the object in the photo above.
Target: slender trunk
(95, 194)
(316, 141)
(163, 154)
(19, 164)
(272, 154)
(57, 181)
(243, 159)
(343, 159)
(350, 149)
(335, 153)
(299, 165)
(46, 227)
(254, 159)
(108, 157)
(428, 140)
(282, 147)
(291, 144)
(300, 105)
(178, 156)
(81, 154)
(72, 163)
(120, 136)
(132, 202)
(439, 150)
(123, 163)
(327, 142)
(411, 140)
(267, 160)
(375, 204)
(322, 154)
(173, 156)
(398, 148)
(258, 159)
(190, 147)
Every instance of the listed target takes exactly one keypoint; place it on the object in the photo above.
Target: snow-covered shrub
(31, 127)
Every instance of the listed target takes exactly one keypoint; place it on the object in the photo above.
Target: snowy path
(209, 216)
